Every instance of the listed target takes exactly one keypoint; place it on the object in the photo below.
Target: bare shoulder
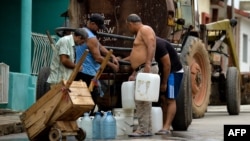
(145, 29)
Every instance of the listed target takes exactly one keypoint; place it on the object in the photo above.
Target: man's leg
(170, 113)
(169, 110)
(164, 107)
(143, 112)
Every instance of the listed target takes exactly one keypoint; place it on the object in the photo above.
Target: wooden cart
(53, 117)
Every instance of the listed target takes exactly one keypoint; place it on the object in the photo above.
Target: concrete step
(10, 122)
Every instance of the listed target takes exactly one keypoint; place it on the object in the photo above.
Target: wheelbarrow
(54, 115)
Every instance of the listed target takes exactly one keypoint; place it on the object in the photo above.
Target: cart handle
(76, 69)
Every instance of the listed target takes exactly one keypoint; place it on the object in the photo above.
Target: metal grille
(4, 83)
(42, 52)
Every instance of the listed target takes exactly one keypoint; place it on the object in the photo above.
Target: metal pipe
(116, 36)
(232, 9)
(119, 48)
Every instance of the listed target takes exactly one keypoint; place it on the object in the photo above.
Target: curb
(11, 128)
(10, 122)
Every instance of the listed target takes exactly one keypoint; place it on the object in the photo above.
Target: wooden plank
(99, 72)
(63, 106)
(77, 84)
(82, 100)
(66, 126)
(75, 113)
(42, 112)
(42, 101)
(80, 92)
(36, 129)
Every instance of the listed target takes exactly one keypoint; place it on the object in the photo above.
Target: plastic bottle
(171, 86)
(102, 125)
(96, 126)
(109, 123)
(86, 124)
(78, 121)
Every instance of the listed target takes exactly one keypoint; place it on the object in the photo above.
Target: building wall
(203, 7)
(45, 16)
(245, 30)
(10, 36)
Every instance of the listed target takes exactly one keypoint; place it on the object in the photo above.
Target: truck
(207, 51)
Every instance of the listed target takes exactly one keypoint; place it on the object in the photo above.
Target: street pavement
(208, 128)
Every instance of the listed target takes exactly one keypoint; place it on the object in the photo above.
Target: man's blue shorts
(177, 83)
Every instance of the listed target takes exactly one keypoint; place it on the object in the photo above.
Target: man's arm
(104, 52)
(126, 58)
(165, 60)
(64, 52)
(95, 49)
(148, 36)
(66, 61)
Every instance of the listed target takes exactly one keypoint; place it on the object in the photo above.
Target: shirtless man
(142, 60)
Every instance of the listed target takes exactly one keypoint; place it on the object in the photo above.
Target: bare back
(143, 47)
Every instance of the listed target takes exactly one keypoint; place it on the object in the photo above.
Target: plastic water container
(96, 134)
(124, 120)
(147, 87)
(78, 121)
(156, 119)
(86, 124)
(102, 124)
(128, 95)
(109, 123)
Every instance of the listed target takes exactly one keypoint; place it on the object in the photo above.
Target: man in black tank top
(168, 62)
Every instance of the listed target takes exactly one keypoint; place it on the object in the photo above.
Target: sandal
(163, 132)
(139, 134)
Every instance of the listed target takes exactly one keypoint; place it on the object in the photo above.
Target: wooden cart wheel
(55, 134)
(81, 135)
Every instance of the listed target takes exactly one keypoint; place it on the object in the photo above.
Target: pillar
(26, 18)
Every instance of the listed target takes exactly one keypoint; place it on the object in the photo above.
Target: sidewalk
(10, 122)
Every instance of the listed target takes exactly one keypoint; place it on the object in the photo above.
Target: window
(245, 50)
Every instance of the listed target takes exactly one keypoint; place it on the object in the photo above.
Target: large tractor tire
(183, 116)
(233, 91)
(41, 86)
(195, 55)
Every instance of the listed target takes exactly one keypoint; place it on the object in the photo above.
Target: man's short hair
(133, 18)
(81, 32)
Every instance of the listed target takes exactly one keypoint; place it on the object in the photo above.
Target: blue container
(102, 124)
(109, 124)
(96, 126)
(174, 83)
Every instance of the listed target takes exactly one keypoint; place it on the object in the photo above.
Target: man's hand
(115, 60)
(132, 77)
(80, 69)
(118, 58)
(147, 68)
(163, 87)
(115, 67)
